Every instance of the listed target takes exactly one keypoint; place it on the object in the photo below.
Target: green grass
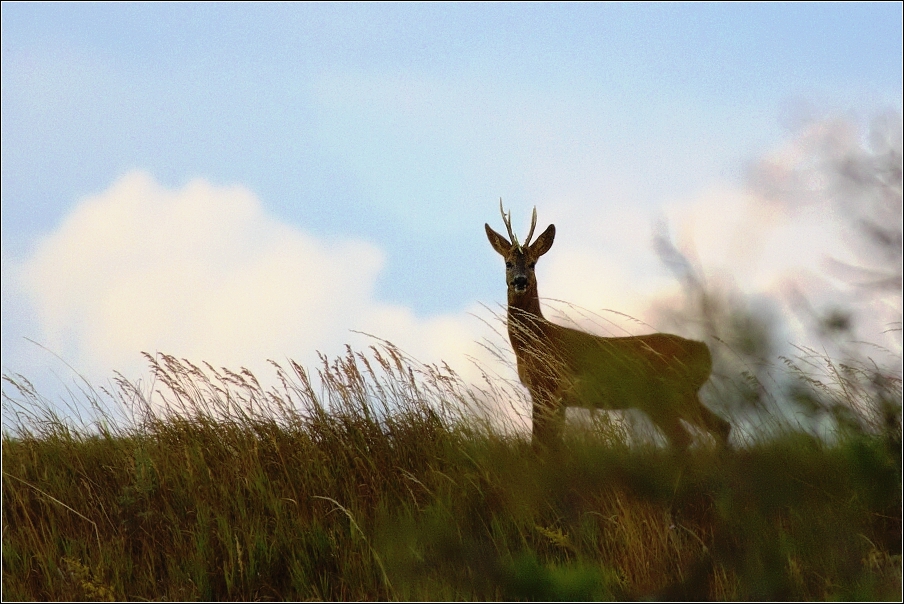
(380, 484)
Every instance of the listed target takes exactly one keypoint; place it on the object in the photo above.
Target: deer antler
(533, 223)
(507, 219)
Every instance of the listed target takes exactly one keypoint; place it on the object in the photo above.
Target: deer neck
(524, 315)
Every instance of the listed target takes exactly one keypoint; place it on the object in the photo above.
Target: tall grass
(376, 481)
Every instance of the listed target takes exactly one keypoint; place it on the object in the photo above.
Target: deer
(659, 373)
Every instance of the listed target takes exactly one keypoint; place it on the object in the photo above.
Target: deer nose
(520, 282)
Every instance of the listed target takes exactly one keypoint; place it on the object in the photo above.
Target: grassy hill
(376, 485)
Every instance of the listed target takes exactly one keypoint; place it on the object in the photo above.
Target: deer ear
(499, 243)
(543, 242)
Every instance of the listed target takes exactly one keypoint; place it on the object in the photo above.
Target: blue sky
(306, 169)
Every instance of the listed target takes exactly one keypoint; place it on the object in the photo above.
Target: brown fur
(658, 373)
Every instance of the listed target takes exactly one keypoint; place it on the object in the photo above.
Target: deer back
(591, 371)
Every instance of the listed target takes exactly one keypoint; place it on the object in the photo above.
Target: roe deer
(660, 374)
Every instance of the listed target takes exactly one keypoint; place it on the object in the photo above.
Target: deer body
(660, 374)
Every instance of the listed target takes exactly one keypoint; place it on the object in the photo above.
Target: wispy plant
(372, 479)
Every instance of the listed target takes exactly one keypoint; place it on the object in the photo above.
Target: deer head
(520, 259)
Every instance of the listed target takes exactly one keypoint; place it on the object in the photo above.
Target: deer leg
(671, 426)
(713, 424)
(693, 411)
(548, 416)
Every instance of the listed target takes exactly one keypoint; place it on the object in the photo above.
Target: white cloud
(784, 252)
(203, 272)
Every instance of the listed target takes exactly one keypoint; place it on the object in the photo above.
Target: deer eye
(509, 265)
(532, 265)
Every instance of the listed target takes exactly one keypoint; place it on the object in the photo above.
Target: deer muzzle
(519, 283)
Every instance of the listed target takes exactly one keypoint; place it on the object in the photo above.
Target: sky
(241, 182)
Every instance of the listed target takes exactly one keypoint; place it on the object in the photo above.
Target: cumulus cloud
(203, 272)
